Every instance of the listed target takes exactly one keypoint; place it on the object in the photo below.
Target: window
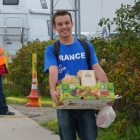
(10, 2)
(44, 4)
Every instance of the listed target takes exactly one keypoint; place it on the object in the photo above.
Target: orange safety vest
(2, 59)
(3, 69)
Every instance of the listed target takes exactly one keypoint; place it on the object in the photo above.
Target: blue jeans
(71, 121)
(3, 105)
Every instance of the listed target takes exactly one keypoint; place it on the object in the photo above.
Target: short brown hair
(61, 13)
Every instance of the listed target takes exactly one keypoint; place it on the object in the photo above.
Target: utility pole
(77, 18)
(51, 14)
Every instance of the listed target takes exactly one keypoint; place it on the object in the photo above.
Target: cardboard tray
(75, 96)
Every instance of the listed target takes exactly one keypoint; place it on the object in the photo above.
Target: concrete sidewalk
(22, 128)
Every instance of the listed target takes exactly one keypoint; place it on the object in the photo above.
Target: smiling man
(71, 60)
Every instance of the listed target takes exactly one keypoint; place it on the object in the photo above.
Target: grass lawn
(23, 100)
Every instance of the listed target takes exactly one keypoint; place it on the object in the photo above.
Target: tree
(127, 21)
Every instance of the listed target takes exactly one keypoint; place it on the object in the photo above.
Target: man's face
(63, 26)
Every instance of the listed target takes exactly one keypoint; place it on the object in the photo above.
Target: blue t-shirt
(72, 58)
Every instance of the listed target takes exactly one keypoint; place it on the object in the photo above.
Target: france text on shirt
(72, 56)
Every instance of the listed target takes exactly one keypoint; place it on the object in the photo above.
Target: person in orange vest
(3, 106)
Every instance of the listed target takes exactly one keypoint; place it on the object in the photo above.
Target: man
(3, 106)
(71, 121)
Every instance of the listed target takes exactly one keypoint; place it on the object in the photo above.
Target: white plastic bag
(105, 116)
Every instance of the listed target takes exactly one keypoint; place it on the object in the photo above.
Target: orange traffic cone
(33, 97)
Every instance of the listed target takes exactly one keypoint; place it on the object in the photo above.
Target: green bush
(20, 70)
(122, 66)
(121, 62)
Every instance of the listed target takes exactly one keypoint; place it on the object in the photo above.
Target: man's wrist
(52, 91)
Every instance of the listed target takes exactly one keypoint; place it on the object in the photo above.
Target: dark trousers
(3, 105)
(81, 121)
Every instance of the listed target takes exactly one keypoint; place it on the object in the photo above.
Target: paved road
(22, 128)
(50, 113)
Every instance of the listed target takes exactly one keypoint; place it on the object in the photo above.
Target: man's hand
(111, 103)
(53, 78)
(55, 97)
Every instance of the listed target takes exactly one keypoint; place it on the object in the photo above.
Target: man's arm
(99, 73)
(53, 78)
(101, 76)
